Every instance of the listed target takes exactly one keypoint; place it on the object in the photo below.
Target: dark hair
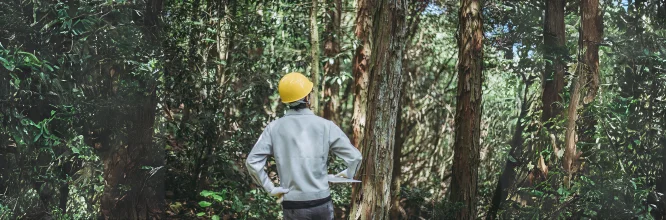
(299, 106)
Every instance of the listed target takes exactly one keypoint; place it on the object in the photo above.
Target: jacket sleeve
(256, 160)
(342, 147)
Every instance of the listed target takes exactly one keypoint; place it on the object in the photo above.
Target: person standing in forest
(300, 142)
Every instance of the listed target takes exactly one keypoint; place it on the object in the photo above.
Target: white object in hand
(339, 179)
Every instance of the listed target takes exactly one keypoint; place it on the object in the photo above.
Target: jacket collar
(303, 111)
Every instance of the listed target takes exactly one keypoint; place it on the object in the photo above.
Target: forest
(462, 109)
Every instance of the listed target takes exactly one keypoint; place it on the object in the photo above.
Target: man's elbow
(250, 164)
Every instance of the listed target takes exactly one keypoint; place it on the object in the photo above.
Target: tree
(314, 53)
(587, 76)
(332, 66)
(508, 177)
(371, 198)
(468, 109)
(591, 33)
(555, 51)
(133, 173)
(591, 37)
(360, 67)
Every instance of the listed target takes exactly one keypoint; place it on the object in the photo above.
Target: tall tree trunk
(131, 191)
(570, 151)
(468, 109)
(332, 66)
(314, 53)
(360, 66)
(555, 52)
(591, 32)
(508, 176)
(222, 41)
(371, 198)
(591, 37)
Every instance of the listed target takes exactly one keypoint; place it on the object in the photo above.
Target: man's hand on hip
(279, 193)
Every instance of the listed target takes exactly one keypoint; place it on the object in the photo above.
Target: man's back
(300, 147)
(300, 142)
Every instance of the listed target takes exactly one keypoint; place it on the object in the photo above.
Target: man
(300, 142)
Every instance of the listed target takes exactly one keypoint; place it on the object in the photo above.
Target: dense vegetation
(147, 109)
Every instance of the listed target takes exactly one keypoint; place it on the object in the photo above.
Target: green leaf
(215, 217)
(31, 57)
(512, 159)
(75, 150)
(537, 193)
(200, 214)
(204, 204)
(49, 67)
(38, 136)
(9, 66)
(206, 193)
(218, 197)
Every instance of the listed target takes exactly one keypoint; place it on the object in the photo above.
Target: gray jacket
(300, 142)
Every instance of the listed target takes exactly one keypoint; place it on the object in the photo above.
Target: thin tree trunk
(570, 137)
(360, 66)
(468, 110)
(371, 199)
(65, 170)
(332, 66)
(314, 53)
(222, 41)
(508, 176)
(662, 141)
(397, 212)
(555, 51)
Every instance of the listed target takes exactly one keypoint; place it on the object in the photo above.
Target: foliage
(75, 74)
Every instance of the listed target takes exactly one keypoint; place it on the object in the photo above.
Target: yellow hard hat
(293, 87)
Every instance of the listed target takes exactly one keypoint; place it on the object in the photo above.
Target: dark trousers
(321, 212)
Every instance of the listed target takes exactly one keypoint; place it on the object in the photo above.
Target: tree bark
(314, 53)
(222, 41)
(371, 199)
(570, 136)
(332, 66)
(591, 37)
(360, 66)
(591, 32)
(468, 110)
(397, 212)
(131, 191)
(555, 52)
